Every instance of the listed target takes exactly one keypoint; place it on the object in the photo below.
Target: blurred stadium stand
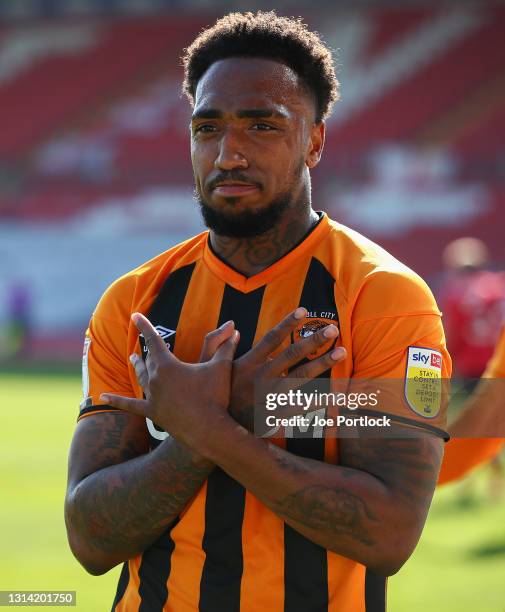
(95, 173)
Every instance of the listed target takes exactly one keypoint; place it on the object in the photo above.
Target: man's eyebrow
(207, 113)
(261, 113)
(246, 113)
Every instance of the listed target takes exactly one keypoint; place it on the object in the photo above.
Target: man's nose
(230, 153)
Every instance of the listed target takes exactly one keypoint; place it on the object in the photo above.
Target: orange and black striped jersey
(227, 551)
(462, 455)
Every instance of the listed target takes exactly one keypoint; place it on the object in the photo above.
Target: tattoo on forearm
(335, 511)
(408, 465)
(125, 507)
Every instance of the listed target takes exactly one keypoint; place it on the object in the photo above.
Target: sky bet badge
(423, 381)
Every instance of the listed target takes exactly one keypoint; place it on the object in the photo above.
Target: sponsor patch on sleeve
(423, 381)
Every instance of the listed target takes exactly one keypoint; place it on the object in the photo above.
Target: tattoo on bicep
(113, 436)
(112, 441)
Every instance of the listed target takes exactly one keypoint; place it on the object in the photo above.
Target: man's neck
(250, 256)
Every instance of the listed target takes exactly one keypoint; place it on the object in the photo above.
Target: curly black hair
(266, 35)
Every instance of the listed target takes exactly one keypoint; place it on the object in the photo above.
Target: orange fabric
(188, 558)
(346, 578)
(462, 455)
(382, 307)
(131, 598)
(465, 454)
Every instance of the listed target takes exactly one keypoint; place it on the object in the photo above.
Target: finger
(276, 336)
(298, 377)
(154, 342)
(227, 349)
(140, 370)
(297, 351)
(214, 339)
(314, 368)
(130, 404)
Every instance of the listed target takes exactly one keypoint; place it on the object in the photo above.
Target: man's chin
(238, 220)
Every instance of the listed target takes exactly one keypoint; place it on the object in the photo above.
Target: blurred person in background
(473, 304)
(18, 320)
(482, 417)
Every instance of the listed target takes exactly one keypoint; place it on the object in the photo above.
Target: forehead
(240, 82)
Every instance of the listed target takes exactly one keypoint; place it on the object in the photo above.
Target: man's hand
(176, 391)
(186, 400)
(261, 363)
(213, 340)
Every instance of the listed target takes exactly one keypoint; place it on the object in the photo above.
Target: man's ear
(317, 135)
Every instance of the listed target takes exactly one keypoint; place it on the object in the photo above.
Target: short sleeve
(105, 365)
(398, 346)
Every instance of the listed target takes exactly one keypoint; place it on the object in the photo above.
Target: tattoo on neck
(249, 254)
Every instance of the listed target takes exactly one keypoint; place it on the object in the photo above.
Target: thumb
(214, 339)
(226, 350)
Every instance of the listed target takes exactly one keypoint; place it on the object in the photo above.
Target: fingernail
(236, 336)
(225, 325)
(135, 317)
(104, 398)
(330, 331)
(133, 358)
(338, 353)
(300, 313)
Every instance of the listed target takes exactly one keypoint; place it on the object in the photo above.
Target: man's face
(252, 142)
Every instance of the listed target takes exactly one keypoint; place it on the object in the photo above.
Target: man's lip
(234, 189)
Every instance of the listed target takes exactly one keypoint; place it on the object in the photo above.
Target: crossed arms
(370, 508)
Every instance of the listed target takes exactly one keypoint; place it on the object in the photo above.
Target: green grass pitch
(458, 566)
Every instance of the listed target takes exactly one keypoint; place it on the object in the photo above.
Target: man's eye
(262, 127)
(205, 128)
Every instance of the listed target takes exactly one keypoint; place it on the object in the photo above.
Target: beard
(248, 223)
(245, 224)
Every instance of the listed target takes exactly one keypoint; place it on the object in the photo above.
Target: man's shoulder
(137, 288)
(368, 274)
(362, 252)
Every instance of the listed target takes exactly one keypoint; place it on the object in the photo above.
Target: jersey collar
(245, 284)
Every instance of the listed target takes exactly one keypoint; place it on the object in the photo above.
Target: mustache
(232, 175)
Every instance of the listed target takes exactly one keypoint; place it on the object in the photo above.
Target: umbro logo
(164, 332)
